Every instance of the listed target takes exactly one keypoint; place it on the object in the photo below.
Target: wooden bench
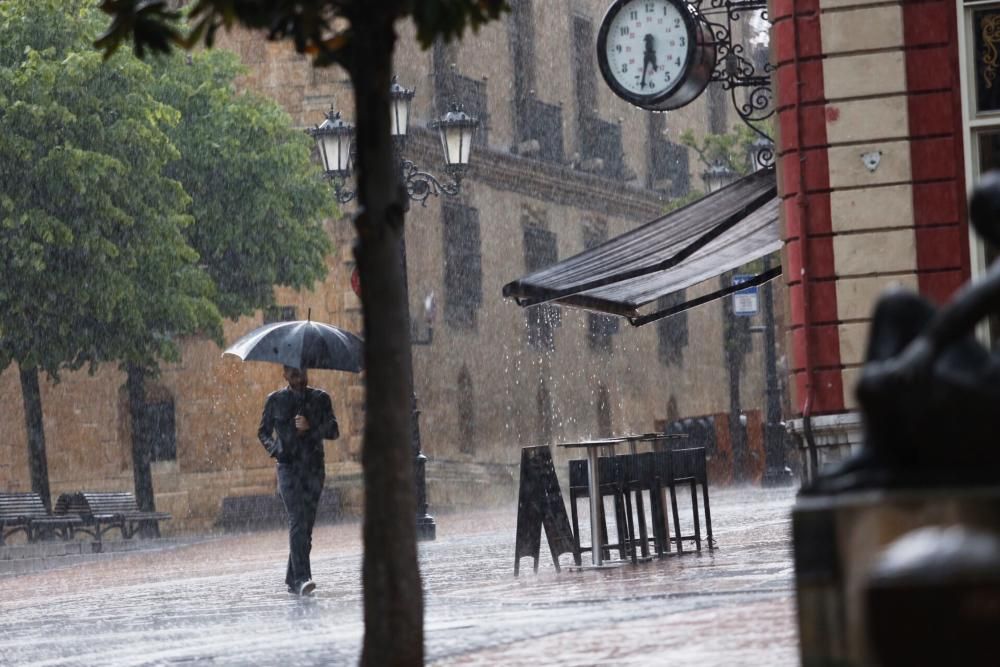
(103, 512)
(25, 512)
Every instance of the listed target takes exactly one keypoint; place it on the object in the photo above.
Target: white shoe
(307, 587)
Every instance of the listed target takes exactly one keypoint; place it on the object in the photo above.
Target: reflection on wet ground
(224, 602)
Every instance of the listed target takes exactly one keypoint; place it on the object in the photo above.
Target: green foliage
(93, 259)
(138, 202)
(680, 202)
(309, 24)
(258, 201)
(731, 149)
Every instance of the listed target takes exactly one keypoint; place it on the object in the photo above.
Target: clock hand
(648, 59)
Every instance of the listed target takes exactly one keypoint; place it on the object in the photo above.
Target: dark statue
(929, 391)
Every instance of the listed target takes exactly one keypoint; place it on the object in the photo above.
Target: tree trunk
(38, 465)
(393, 598)
(142, 454)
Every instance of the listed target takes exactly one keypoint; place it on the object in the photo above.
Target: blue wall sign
(744, 300)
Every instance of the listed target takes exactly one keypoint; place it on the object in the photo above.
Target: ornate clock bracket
(735, 71)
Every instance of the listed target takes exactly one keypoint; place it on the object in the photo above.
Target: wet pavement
(223, 602)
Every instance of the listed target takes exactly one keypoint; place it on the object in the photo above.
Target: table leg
(596, 507)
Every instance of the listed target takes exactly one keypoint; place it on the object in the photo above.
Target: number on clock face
(647, 46)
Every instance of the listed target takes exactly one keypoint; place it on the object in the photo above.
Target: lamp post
(718, 176)
(334, 139)
(775, 472)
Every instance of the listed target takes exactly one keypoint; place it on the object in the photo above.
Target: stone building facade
(881, 129)
(561, 165)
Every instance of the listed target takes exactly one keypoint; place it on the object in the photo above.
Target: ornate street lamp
(718, 176)
(456, 129)
(334, 139)
(400, 99)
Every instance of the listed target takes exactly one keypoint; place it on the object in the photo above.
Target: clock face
(647, 45)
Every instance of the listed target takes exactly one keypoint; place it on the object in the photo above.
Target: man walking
(295, 422)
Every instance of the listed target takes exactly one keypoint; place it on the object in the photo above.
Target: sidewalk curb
(29, 558)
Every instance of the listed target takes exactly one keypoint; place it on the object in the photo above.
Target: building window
(159, 425)
(463, 272)
(539, 252)
(603, 412)
(601, 147)
(540, 130)
(986, 62)
(600, 328)
(669, 166)
(521, 36)
(672, 331)
(450, 88)
(600, 331)
(538, 125)
(980, 69)
(599, 141)
(716, 101)
(584, 72)
(279, 314)
(466, 413)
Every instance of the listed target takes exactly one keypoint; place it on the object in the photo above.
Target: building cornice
(544, 180)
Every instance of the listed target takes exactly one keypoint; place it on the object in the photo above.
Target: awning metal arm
(760, 279)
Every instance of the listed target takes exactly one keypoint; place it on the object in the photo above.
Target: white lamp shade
(457, 144)
(333, 139)
(456, 129)
(400, 117)
(336, 152)
(400, 99)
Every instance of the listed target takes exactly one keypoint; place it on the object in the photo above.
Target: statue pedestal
(837, 540)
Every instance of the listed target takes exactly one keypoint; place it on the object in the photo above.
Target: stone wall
(218, 401)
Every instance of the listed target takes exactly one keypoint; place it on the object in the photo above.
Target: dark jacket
(277, 430)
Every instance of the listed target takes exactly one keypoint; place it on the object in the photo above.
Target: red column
(804, 185)
(930, 33)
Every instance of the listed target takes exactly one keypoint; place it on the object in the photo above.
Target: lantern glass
(456, 129)
(336, 152)
(456, 140)
(400, 117)
(333, 139)
(400, 99)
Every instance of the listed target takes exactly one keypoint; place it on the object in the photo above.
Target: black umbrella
(302, 344)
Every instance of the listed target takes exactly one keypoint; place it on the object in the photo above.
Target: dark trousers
(300, 485)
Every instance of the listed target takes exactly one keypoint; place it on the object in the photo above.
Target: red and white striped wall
(870, 170)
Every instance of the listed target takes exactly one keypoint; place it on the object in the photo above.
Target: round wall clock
(656, 54)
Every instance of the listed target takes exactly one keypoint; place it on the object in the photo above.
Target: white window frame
(973, 125)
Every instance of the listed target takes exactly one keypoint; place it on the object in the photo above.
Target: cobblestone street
(223, 601)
